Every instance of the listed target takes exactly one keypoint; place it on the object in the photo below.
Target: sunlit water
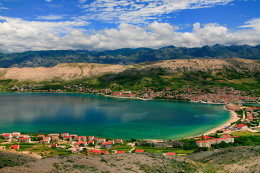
(107, 117)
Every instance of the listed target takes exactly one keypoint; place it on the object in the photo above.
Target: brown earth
(79, 70)
(229, 160)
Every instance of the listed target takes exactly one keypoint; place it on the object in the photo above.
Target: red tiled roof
(15, 147)
(25, 138)
(120, 152)
(7, 135)
(40, 136)
(207, 137)
(64, 134)
(240, 125)
(171, 153)
(94, 151)
(139, 151)
(106, 143)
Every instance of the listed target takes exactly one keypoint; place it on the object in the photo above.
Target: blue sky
(112, 24)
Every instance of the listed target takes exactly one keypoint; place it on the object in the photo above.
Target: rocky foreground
(69, 71)
(235, 159)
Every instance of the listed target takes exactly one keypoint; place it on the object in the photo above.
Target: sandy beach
(232, 119)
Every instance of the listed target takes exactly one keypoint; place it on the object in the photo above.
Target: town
(210, 95)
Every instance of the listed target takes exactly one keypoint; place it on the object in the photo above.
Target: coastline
(232, 119)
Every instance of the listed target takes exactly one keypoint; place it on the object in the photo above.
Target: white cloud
(19, 35)
(48, 0)
(136, 11)
(254, 23)
(50, 17)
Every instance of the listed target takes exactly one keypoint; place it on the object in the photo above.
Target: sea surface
(86, 114)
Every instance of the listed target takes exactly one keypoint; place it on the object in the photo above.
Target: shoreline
(233, 118)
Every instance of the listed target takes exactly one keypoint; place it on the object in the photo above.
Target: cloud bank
(141, 11)
(17, 35)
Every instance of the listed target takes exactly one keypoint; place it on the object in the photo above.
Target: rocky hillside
(229, 160)
(125, 56)
(82, 70)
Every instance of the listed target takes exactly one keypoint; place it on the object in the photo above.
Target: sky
(113, 24)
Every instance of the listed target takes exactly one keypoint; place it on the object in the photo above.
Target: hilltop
(242, 74)
(126, 56)
(69, 71)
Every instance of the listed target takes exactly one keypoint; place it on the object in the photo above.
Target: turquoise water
(107, 117)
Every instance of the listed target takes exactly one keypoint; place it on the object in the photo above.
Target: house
(171, 154)
(241, 126)
(91, 138)
(16, 134)
(73, 136)
(50, 135)
(120, 152)
(53, 145)
(64, 134)
(209, 142)
(76, 138)
(67, 138)
(111, 141)
(83, 138)
(7, 135)
(139, 151)
(98, 152)
(24, 140)
(95, 151)
(55, 139)
(61, 146)
(91, 142)
(80, 143)
(106, 145)
(46, 140)
(40, 136)
(101, 140)
(119, 141)
(76, 149)
(207, 137)
(96, 138)
(117, 93)
(15, 147)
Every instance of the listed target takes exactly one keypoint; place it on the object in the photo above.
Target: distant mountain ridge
(126, 56)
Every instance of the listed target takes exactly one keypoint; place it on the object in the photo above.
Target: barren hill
(68, 71)
(231, 160)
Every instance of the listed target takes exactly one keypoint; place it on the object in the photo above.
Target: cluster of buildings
(252, 117)
(77, 143)
(187, 93)
(207, 141)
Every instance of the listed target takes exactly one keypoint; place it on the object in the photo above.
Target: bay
(86, 114)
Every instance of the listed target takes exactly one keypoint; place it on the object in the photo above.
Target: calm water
(106, 117)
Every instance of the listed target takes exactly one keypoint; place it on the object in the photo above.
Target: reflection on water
(106, 116)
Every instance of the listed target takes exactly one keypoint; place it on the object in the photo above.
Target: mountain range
(127, 56)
